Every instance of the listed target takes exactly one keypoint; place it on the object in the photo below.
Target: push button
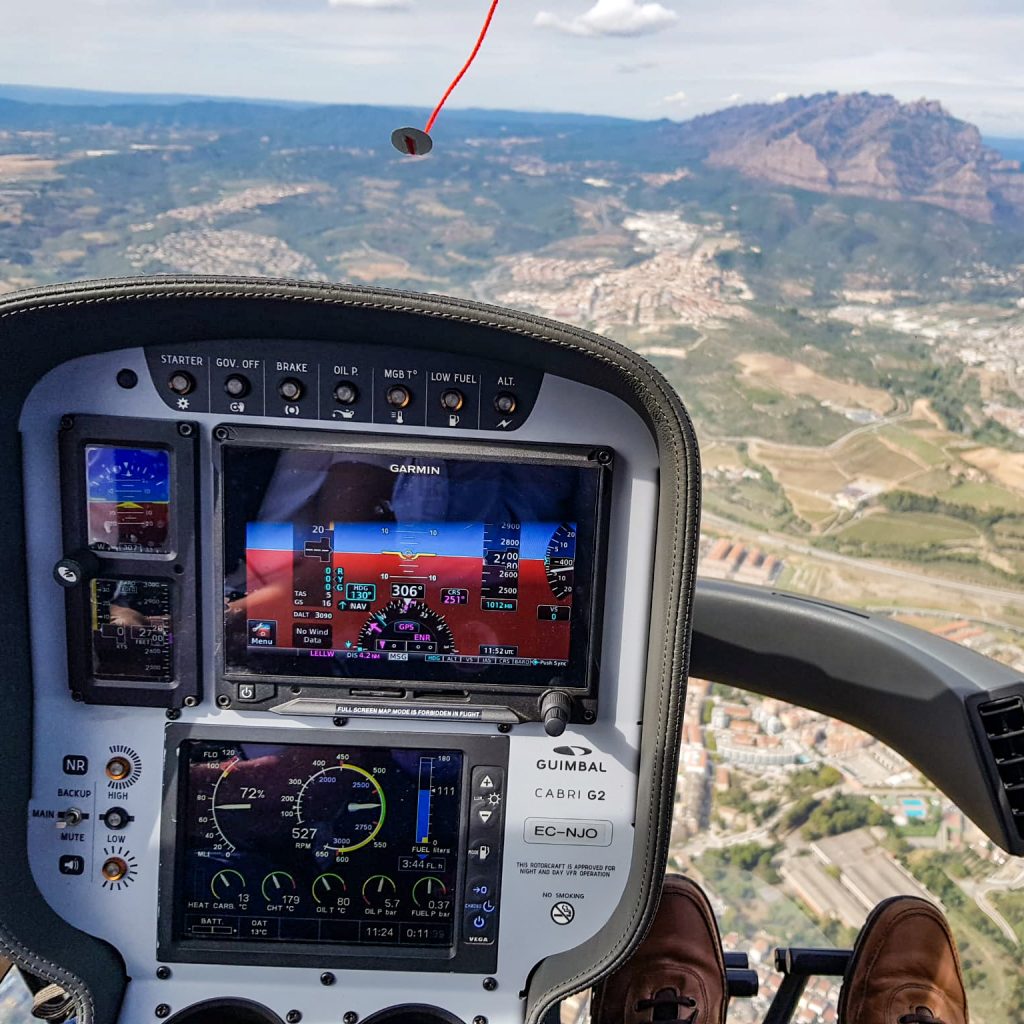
(71, 864)
(479, 927)
(253, 693)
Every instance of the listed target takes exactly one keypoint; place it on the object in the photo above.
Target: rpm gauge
(340, 808)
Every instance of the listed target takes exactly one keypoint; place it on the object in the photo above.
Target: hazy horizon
(57, 95)
(628, 58)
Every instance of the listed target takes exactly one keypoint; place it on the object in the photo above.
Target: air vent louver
(1003, 722)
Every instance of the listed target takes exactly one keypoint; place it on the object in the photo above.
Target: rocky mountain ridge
(866, 145)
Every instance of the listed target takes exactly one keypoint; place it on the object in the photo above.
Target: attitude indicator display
(297, 843)
(128, 496)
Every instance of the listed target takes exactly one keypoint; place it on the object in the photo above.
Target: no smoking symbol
(563, 913)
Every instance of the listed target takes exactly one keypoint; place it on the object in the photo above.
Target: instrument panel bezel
(521, 698)
(175, 566)
(462, 958)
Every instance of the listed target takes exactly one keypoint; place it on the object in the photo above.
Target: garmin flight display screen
(318, 844)
(362, 564)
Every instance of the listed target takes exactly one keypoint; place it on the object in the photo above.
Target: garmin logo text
(557, 764)
(418, 470)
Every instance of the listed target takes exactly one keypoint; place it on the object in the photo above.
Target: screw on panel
(339, 722)
(76, 696)
(223, 701)
(589, 716)
(478, 1019)
(351, 1017)
(293, 1017)
(221, 433)
(504, 727)
(185, 429)
(327, 978)
(603, 457)
(490, 984)
(127, 378)
(173, 714)
(163, 972)
(163, 1010)
(190, 702)
(67, 422)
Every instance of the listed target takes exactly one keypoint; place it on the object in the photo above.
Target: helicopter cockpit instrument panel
(356, 631)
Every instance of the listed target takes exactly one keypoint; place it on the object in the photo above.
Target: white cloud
(377, 5)
(679, 98)
(734, 97)
(612, 18)
(779, 97)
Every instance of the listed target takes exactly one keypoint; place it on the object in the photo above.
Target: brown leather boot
(905, 968)
(676, 974)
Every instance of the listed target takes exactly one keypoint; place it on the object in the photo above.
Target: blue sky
(673, 58)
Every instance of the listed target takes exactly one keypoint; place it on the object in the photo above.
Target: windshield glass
(809, 216)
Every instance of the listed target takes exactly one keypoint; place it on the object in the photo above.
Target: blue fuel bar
(423, 803)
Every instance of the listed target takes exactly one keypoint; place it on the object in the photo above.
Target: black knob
(399, 396)
(346, 393)
(237, 386)
(116, 818)
(181, 383)
(555, 707)
(452, 400)
(74, 570)
(290, 389)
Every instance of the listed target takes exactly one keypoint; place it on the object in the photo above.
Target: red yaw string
(465, 68)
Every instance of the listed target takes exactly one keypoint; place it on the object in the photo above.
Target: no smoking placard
(563, 912)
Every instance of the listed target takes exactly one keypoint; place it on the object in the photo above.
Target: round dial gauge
(340, 808)
(378, 890)
(330, 890)
(242, 804)
(428, 891)
(405, 625)
(560, 561)
(227, 885)
(278, 887)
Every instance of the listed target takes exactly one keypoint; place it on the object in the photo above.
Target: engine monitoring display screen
(361, 564)
(297, 843)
